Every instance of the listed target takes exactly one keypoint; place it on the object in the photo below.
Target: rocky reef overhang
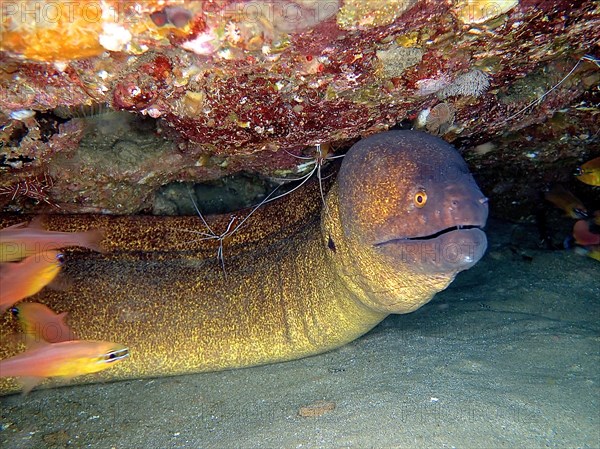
(204, 89)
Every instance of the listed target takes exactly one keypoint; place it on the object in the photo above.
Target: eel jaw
(450, 250)
(432, 236)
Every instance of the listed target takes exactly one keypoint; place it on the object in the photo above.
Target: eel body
(403, 218)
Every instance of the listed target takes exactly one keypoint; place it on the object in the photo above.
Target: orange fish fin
(32, 341)
(29, 383)
(37, 222)
(23, 224)
(92, 239)
(70, 335)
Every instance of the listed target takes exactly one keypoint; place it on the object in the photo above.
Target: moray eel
(402, 219)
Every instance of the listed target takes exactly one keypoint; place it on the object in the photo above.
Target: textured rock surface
(238, 86)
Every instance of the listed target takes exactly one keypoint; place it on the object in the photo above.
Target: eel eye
(420, 198)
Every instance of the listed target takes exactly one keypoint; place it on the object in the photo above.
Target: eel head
(411, 214)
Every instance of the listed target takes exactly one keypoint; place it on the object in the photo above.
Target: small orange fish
(41, 323)
(66, 359)
(19, 280)
(565, 200)
(584, 235)
(589, 172)
(19, 241)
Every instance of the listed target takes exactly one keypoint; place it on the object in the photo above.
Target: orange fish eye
(420, 198)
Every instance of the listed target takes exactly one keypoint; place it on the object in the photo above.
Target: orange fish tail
(92, 239)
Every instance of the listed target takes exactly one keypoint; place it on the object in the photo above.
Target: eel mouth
(450, 250)
(430, 236)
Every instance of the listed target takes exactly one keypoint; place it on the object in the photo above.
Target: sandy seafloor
(507, 357)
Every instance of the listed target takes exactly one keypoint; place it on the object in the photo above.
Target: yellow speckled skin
(295, 285)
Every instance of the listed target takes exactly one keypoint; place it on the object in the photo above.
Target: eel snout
(446, 235)
(450, 250)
